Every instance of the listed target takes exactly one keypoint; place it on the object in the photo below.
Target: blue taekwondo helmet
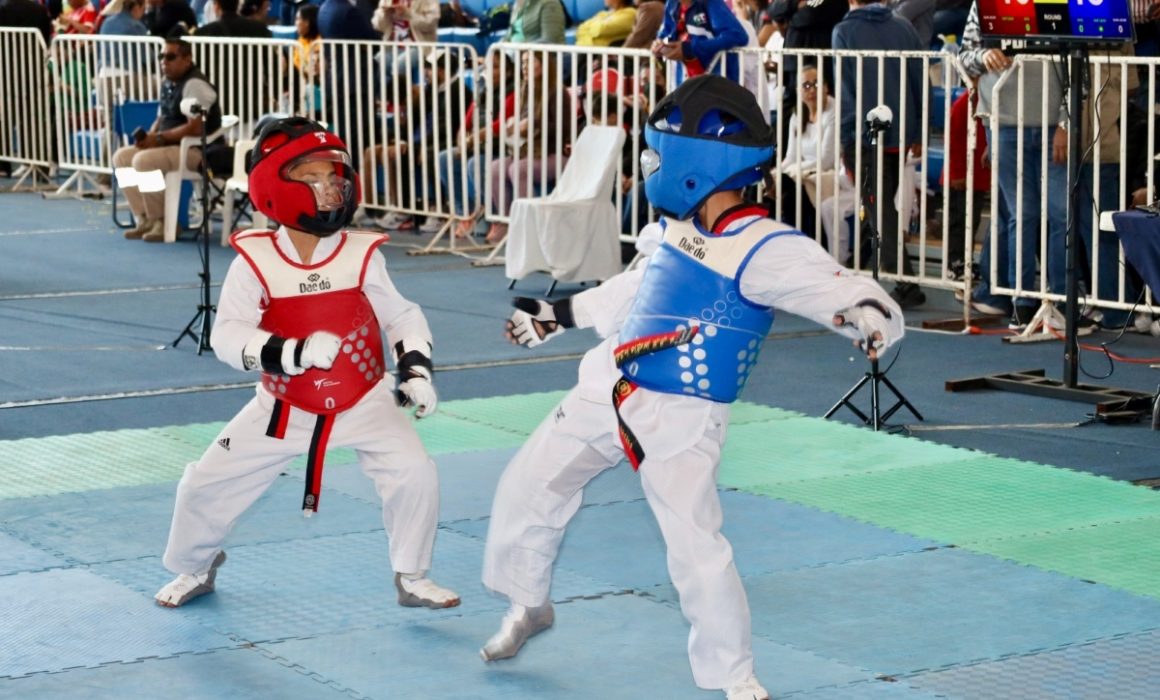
(709, 135)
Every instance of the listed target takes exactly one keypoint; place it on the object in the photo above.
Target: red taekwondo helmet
(301, 177)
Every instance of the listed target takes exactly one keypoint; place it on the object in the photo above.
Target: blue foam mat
(96, 526)
(621, 543)
(237, 674)
(17, 556)
(614, 647)
(326, 585)
(1122, 667)
(920, 611)
(467, 482)
(68, 618)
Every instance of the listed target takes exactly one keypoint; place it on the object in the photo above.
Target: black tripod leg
(902, 400)
(845, 400)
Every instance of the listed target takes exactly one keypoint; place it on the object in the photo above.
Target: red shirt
(956, 165)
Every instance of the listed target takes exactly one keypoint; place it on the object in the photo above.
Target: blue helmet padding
(694, 167)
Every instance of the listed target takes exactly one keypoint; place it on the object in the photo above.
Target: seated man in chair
(160, 147)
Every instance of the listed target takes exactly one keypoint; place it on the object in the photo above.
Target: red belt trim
(632, 449)
(649, 344)
(279, 420)
(315, 462)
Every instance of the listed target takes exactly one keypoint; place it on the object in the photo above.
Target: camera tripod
(874, 377)
(203, 319)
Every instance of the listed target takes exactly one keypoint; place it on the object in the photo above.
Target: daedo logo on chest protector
(314, 283)
(695, 247)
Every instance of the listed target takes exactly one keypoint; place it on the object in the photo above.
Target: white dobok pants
(218, 488)
(541, 489)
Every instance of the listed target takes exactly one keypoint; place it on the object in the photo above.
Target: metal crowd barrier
(370, 93)
(25, 124)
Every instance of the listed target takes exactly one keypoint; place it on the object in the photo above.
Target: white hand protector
(319, 350)
(419, 392)
(871, 320)
(533, 322)
(413, 359)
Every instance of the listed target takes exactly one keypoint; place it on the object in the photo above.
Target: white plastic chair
(174, 179)
(239, 182)
(573, 233)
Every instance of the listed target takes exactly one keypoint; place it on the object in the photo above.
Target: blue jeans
(982, 291)
(1035, 141)
(1109, 243)
(463, 203)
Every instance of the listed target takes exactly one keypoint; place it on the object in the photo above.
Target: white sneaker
(433, 224)
(424, 593)
(519, 625)
(186, 587)
(749, 689)
(394, 222)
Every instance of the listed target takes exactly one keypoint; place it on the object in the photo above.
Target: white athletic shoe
(433, 224)
(185, 587)
(748, 689)
(424, 593)
(519, 625)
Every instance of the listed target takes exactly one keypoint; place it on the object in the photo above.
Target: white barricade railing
(1028, 114)
(554, 91)
(25, 114)
(254, 77)
(92, 75)
(416, 157)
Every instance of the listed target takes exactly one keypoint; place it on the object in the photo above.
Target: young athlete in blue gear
(307, 305)
(681, 336)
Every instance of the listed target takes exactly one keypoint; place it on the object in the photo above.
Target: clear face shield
(324, 172)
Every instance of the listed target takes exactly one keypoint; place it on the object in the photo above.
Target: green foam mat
(519, 413)
(759, 455)
(978, 499)
(1122, 554)
(743, 412)
(88, 461)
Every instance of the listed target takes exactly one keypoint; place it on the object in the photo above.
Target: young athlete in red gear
(306, 305)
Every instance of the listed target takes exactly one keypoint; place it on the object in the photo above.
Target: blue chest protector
(690, 331)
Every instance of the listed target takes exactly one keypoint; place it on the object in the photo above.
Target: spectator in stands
(694, 32)
(230, 23)
(406, 21)
(609, 27)
(920, 14)
(954, 175)
(161, 16)
(650, 14)
(342, 19)
(79, 18)
(809, 165)
(308, 50)
(458, 165)
(1100, 133)
(123, 18)
(160, 148)
(808, 25)
(431, 119)
(950, 18)
(257, 10)
(536, 22)
(538, 140)
(26, 13)
(871, 26)
(1017, 99)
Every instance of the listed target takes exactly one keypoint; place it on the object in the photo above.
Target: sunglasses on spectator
(809, 85)
(171, 56)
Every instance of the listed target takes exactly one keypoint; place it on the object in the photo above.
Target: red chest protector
(326, 296)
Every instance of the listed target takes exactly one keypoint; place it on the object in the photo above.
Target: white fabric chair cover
(573, 233)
